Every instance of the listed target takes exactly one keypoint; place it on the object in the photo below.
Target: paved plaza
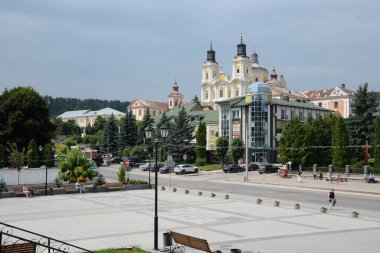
(125, 218)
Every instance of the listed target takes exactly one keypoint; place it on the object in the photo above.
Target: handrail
(38, 242)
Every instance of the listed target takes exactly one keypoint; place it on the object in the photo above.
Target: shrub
(137, 151)
(137, 182)
(57, 182)
(200, 161)
(100, 179)
(121, 175)
(3, 185)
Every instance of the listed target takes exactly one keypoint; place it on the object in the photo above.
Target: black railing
(11, 236)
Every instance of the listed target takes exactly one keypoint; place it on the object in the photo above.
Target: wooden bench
(116, 186)
(26, 247)
(193, 242)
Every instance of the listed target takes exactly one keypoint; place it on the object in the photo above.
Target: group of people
(317, 175)
(370, 178)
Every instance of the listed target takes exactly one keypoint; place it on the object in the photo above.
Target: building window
(236, 114)
(212, 133)
(237, 92)
(336, 105)
(139, 112)
(238, 70)
(171, 103)
(320, 104)
(207, 76)
(225, 120)
(206, 95)
(292, 114)
(221, 93)
(301, 116)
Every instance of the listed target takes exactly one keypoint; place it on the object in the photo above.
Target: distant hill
(60, 105)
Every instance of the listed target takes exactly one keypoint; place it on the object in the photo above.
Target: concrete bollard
(213, 195)
(258, 201)
(297, 206)
(226, 196)
(174, 189)
(331, 168)
(355, 214)
(276, 203)
(366, 167)
(186, 191)
(162, 188)
(315, 167)
(199, 193)
(348, 169)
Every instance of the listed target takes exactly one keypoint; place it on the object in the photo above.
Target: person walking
(329, 177)
(337, 177)
(332, 198)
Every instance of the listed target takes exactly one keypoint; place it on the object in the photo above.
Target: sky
(124, 49)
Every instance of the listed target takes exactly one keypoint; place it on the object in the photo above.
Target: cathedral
(217, 86)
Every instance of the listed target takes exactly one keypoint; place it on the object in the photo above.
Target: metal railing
(11, 235)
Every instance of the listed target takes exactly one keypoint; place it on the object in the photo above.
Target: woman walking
(332, 199)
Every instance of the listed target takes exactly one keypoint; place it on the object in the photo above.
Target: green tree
(180, 135)
(201, 140)
(48, 155)
(76, 167)
(310, 152)
(32, 154)
(361, 123)
(3, 158)
(99, 124)
(147, 121)
(377, 143)
(340, 153)
(128, 132)
(110, 138)
(291, 142)
(323, 136)
(222, 148)
(3, 185)
(237, 149)
(24, 115)
(121, 175)
(100, 179)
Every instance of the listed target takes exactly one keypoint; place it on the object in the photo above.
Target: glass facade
(259, 121)
(225, 120)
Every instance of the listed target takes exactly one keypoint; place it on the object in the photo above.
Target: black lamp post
(43, 163)
(149, 134)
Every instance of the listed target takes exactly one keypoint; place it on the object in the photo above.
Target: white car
(145, 167)
(184, 169)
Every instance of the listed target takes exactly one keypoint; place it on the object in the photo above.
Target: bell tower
(241, 68)
(175, 98)
(210, 73)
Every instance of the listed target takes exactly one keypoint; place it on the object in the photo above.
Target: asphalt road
(218, 182)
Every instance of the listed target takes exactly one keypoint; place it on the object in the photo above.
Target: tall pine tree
(361, 123)
(148, 120)
(201, 138)
(180, 135)
(340, 153)
(110, 138)
(3, 159)
(310, 152)
(32, 154)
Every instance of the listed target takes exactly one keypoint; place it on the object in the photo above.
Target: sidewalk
(355, 184)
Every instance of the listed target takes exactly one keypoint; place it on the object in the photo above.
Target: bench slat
(192, 242)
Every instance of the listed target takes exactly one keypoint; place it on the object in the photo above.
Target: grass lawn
(209, 167)
(135, 250)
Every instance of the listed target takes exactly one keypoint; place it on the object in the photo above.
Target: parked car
(166, 169)
(267, 168)
(153, 167)
(184, 169)
(232, 168)
(253, 166)
(145, 167)
(114, 160)
(133, 160)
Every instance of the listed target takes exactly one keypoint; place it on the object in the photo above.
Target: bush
(121, 175)
(127, 151)
(138, 151)
(76, 167)
(200, 161)
(57, 182)
(3, 185)
(100, 179)
(137, 182)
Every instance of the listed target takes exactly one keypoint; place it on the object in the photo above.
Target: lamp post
(43, 164)
(149, 134)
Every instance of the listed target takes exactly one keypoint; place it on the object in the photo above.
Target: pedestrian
(320, 175)
(337, 177)
(329, 178)
(299, 178)
(79, 187)
(332, 198)
(314, 175)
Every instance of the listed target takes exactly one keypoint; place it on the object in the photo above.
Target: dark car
(267, 168)
(133, 160)
(166, 169)
(232, 168)
(253, 166)
(114, 160)
(153, 167)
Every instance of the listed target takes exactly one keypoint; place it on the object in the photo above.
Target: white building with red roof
(338, 99)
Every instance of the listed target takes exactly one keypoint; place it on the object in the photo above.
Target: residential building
(338, 99)
(86, 117)
(139, 108)
(259, 119)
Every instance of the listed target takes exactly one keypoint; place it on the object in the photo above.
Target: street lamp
(149, 134)
(43, 164)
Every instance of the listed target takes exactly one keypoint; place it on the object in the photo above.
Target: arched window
(237, 92)
(221, 93)
(238, 70)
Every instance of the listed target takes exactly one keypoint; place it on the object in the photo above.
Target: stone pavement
(118, 219)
